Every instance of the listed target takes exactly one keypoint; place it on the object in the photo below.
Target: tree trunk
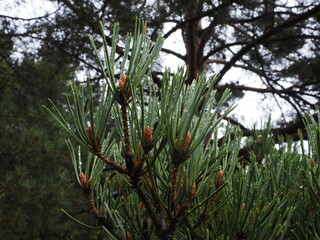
(192, 34)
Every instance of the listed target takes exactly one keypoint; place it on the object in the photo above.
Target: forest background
(269, 48)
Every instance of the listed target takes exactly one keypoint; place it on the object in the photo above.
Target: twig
(113, 164)
(100, 217)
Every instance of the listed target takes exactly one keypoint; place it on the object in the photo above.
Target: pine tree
(163, 177)
(35, 167)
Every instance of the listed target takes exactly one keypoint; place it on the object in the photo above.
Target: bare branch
(198, 17)
(218, 49)
(246, 67)
(252, 89)
(173, 53)
(290, 130)
(30, 19)
(264, 37)
(93, 24)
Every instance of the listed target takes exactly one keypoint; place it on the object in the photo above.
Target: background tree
(275, 42)
(34, 162)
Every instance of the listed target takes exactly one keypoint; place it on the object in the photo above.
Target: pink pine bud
(122, 81)
(219, 179)
(194, 187)
(128, 236)
(89, 181)
(187, 141)
(83, 179)
(200, 177)
(220, 173)
(140, 206)
(193, 191)
(147, 136)
(312, 162)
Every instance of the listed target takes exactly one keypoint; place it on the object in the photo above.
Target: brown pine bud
(219, 179)
(193, 192)
(200, 177)
(187, 141)
(93, 140)
(122, 81)
(147, 136)
(90, 134)
(128, 236)
(83, 179)
(89, 181)
(312, 162)
(176, 142)
(148, 181)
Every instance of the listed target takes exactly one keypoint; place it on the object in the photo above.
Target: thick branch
(156, 218)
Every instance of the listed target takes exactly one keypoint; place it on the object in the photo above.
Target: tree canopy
(276, 43)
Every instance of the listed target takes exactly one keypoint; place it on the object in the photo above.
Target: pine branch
(157, 219)
(114, 165)
(86, 187)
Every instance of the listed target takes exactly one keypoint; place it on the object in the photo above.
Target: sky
(251, 109)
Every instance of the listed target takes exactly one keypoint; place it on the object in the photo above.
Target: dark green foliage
(35, 166)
